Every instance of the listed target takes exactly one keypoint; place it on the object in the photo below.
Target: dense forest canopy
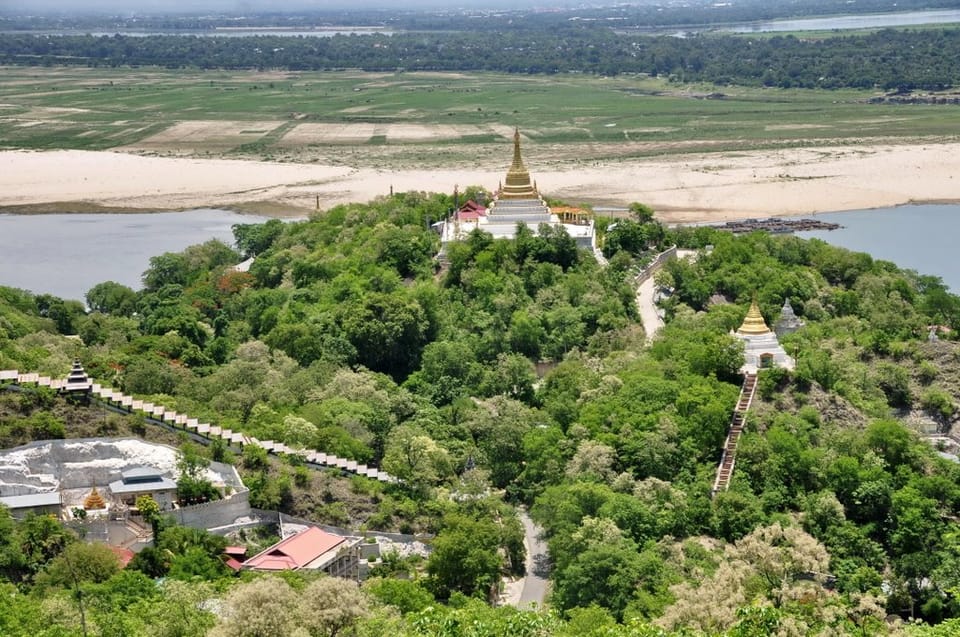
(346, 335)
(890, 59)
(412, 18)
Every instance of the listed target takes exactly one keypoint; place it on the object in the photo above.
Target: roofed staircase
(729, 457)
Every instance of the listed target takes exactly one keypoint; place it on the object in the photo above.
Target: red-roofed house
(313, 549)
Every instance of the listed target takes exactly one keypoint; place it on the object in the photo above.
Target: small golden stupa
(753, 323)
(94, 501)
(518, 184)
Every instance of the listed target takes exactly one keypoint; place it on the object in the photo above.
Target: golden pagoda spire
(518, 184)
(94, 501)
(753, 323)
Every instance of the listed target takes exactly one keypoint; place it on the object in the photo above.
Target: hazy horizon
(254, 6)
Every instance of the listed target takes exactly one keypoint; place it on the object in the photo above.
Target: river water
(917, 237)
(67, 254)
(844, 22)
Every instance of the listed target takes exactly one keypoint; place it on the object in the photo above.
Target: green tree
(112, 298)
(256, 238)
(415, 457)
(150, 511)
(192, 483)
(80, 562)
(330, 606)
(166, 269)
(605, 573)
(181, 609)
(405, 595)
(465, 558)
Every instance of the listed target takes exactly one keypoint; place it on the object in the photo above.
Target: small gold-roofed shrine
(517, 201)
(94, 501)
(761, 349)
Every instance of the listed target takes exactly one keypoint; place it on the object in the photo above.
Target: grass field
(422, 119)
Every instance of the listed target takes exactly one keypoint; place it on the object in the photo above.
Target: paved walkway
(649, 313)
(646, 303)
(530, 591)
(538, 565)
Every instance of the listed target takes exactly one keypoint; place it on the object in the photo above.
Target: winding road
(535, 582)
(646, 299)
(533, 586)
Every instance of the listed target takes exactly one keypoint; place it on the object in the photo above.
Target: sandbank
(682, 188)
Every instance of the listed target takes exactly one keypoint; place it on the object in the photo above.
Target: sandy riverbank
(681, 188)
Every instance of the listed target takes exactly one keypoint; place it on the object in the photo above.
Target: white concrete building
(761, 347)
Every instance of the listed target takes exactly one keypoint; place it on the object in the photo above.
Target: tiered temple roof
(94, 501)
(77, 379)
(753, 323)
(518, 184)
(517, 201)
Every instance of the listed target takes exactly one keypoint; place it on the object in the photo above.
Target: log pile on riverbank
(778, 225)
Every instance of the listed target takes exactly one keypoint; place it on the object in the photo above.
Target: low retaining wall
(216, 513)
(656, 264)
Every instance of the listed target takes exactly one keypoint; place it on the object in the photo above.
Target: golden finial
(518, 184)
(753, 323)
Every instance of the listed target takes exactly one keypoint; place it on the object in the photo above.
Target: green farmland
(430, 119)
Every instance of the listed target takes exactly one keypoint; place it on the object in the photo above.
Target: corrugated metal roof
(296, 551)
(49, 498)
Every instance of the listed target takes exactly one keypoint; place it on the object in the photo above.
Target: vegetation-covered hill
(518, 374)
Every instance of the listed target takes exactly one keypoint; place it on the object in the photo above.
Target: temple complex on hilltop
(517, 201)
(760, 344)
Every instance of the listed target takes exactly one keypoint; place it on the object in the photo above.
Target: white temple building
(761, 348)
(516, 201)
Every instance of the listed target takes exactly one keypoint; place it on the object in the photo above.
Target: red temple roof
(296, 551)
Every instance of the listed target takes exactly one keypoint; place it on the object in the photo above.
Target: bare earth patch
(327, 133)
(691, 187)
(205, 135)
(795, 126)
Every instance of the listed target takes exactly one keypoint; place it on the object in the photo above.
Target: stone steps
(729, 457)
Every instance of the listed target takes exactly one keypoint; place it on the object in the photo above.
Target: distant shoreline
(706, 187)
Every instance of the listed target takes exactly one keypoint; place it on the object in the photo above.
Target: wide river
(845, 22)
(67, 254)
(918, 237)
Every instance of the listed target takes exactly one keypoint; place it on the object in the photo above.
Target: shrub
(937, 402)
